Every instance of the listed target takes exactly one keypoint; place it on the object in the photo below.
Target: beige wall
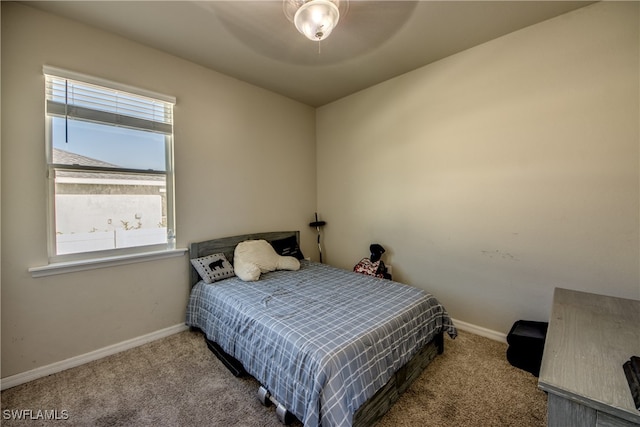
(499, 173)
(238, 150)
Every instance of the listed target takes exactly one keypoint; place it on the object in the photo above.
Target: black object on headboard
(227, 246)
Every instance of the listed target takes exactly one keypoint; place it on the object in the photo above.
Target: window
(110, 167)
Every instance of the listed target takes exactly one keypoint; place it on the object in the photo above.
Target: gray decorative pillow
(213, 267)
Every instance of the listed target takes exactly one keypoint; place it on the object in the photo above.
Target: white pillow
(253, 257)
(213, 267)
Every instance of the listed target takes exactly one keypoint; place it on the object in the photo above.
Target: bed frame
(373, 409)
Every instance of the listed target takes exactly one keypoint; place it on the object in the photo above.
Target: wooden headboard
(227, 245)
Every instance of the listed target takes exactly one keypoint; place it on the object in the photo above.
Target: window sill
(91, 264)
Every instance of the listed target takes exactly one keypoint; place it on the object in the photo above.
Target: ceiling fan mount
(315, 19)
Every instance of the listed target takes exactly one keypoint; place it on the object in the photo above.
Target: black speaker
(526, 345)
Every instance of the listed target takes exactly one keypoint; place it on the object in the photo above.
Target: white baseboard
(479, 330)
(72, 362)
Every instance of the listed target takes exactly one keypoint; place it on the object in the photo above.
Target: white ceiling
(254, 42)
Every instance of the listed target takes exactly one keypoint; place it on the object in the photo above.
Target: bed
(333, 347)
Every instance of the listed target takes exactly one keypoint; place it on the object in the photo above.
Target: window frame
(84, 260)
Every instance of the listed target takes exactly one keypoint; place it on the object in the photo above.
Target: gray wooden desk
(589, 338)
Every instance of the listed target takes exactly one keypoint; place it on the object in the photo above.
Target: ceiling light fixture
(316, 19)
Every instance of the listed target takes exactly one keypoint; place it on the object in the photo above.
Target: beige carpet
(177, 381)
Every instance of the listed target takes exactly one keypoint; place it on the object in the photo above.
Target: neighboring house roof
(107, 178)
(69, 158)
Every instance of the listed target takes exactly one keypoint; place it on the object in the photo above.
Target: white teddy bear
(253, 257)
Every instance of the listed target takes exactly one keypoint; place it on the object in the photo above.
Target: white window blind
(106, 102)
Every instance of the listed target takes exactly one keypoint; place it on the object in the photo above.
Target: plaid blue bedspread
(322, 340)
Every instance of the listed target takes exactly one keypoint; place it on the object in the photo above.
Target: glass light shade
(316, 19)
